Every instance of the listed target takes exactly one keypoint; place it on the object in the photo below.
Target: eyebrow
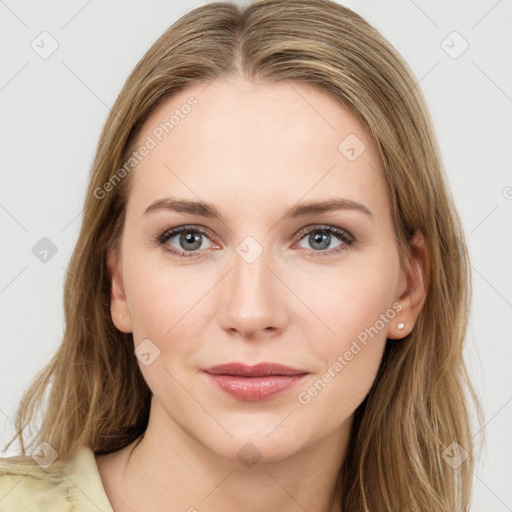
(208, 210)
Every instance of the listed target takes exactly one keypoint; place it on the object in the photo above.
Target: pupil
(190, 238)
(319, 238)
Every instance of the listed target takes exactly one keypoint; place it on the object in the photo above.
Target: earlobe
(118, 304)
(413, 288)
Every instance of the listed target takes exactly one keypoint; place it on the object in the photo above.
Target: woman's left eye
(320, 239)
(190, 240)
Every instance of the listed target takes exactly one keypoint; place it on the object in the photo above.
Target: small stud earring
(401, 325)
(120, 316)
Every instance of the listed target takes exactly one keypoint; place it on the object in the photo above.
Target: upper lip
(257, 370)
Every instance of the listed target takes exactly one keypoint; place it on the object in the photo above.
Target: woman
(270, 290)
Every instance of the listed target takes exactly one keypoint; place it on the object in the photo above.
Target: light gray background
(53, 110)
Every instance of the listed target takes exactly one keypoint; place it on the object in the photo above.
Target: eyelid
(185, 228)
(323, 227)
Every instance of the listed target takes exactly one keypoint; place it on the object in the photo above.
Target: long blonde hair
(419, 403)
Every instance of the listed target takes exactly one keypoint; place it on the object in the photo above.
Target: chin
(250, 446)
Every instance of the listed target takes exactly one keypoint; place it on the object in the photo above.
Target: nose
(254, 298)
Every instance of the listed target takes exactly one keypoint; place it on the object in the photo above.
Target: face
(256, 277)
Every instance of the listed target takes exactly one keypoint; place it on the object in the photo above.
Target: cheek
(165, 307)
(168, 304)
(345, 301)
(358, 314)
(354, 309)
(334, 394)
(157, 300)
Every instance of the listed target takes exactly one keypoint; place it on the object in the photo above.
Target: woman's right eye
(183, 241)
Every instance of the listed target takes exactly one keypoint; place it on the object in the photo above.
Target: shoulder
(63, 486)
(25, 485)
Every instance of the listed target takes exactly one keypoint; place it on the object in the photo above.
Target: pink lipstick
(254, 383)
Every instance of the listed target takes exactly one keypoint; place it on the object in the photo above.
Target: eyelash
(341, 234)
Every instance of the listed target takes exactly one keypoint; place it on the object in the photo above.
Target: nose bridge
(251, 278)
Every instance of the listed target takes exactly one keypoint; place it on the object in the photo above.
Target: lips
(257, 370)
(254, 383)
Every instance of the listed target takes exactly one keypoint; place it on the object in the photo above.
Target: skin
(254, 150)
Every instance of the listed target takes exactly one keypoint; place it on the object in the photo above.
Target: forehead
(230, 139)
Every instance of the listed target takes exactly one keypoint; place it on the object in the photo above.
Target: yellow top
(63, 486)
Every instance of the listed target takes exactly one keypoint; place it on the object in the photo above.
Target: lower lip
(255, 389)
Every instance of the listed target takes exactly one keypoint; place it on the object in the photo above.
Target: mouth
(254, 383)
(257, 370)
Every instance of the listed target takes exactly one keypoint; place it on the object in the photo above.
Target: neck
(168, 470)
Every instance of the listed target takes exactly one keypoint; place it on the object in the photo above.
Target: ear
(411, 289)
(118, 305)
